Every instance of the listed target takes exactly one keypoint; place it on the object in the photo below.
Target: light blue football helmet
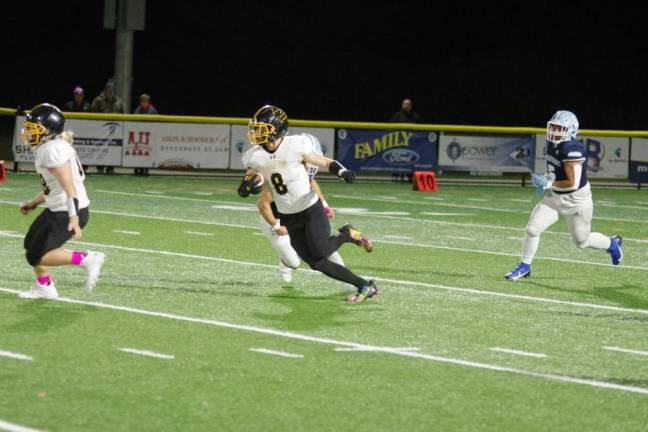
(565, 127)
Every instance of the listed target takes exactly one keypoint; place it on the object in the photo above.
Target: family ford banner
(96, 142)
(492, 153)
(176, 145)
(607, 157)
(639, 160)
(240, 143)
(387, 150)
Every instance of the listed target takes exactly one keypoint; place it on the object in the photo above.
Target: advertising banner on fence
(240, 142)
(639, 160)
(176, 145)
(607, 157)
(488, 153)
(387, 150)
(97, 142)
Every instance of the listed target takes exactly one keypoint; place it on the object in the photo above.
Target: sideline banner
(96, 142)
(176, 145)
(240, 143)
(607, 157)
(387, 150)
(639, 160)
(491, 153)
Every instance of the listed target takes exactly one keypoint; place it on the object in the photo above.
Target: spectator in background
(406, 114)
(107, 102)
(145, 106)
(78, 103)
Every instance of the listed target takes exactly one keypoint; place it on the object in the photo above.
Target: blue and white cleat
(521, 270)
(615, 249)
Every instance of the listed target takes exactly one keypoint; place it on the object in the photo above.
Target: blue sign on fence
(387, 150)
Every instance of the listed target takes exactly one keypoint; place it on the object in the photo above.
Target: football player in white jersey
(275, 164)
(288, 258)
(566, 193)
(66, 213)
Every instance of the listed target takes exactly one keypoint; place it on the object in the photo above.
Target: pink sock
(77, 257)
(43, 280)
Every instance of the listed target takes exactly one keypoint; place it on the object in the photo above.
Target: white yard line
(127, 232)
(397, 237)
(163, 197)
(198, 233)
(477, 199)
(394, 281)
(518, 352)
(445, 214)
(277, 353)
(363, 214)
(12, 427)
(203, 193)
(627, 351)
(338, 343)
(515, 238)
(6, 190)
(148, 353)
(462, 238)
(15, 356)
(346, 349)
(520, 200)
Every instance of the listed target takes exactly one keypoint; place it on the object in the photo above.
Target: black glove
(243, 190)
(336, 168)
(251, 184)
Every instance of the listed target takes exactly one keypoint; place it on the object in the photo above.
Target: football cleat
(285, 272)
(92, 264)
(521, 270)
(40, 292)
(357, 237)
(615, 249)
(366, 292)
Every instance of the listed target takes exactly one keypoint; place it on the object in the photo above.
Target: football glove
(541, 183)
(251, 185)
(336, 168)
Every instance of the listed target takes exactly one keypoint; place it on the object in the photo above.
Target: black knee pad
(32, 258)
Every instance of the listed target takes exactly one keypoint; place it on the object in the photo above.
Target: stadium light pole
(124, 16)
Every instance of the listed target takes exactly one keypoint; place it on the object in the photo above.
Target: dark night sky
(462, 62)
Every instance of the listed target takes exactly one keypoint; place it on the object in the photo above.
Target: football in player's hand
(254, 183)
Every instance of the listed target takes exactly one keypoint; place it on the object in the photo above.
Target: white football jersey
(55, 153)
(284, 172)
(317, 148)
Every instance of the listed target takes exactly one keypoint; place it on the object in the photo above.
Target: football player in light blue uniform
(566, 193)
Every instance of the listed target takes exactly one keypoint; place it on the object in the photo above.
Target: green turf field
(447, 345)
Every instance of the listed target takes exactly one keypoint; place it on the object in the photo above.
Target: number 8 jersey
(52, 154)
(284, 173)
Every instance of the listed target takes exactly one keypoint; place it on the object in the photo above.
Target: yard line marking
(518, 352)
(398, 237)
(163, 197)
(198, 233)
(127, 232)
(363, 214)
(394, 281)
(625, 350)
(346, 349)
(508, 254)
(520, 200)
(445, 214)
(462, 238)
(6, 190)
(515, 238)
(277, 353)
(236, 207)
(477, 199)
(327, 341)
(391, 198)
(203, 193)
(14, 355)
(12, 427)
(148, 353)
(600, 204)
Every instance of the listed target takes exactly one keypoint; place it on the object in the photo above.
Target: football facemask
(32, 133)
(260, 132)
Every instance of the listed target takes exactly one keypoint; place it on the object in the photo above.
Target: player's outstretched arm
(327, 210)
(333, 166)
(263, 204)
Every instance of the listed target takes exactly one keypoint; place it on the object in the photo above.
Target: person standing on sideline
(406, 114)
(566, 192)
(107, 102)
(66, 201)
(78, 103)
(145, 106)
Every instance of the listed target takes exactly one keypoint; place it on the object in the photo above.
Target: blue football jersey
(566, 151)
